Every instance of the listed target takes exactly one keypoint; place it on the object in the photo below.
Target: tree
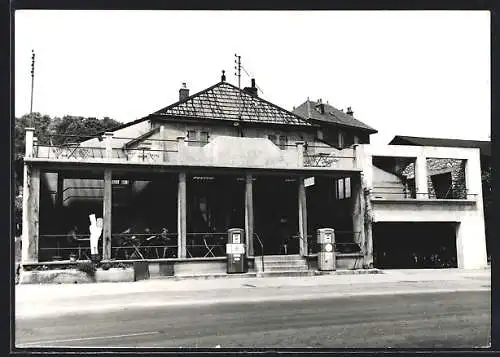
(45, 128)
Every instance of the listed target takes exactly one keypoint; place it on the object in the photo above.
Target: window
(356, 139)
(272, 138)
(204, 137)
(340, 189)
(197, 138)
(347, 187)
(283, 140)
(343, 188)
(191, 137)
(341, 139)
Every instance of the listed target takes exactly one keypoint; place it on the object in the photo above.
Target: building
(445, 178)
(169, 186)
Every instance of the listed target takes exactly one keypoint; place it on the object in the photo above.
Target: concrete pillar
(471, 243)
(181, 145)
(108, 136)
(28, 142)
(163, 144)
(368, 220)
(364, 160)
(302, 217)
(358, 211)
(421, 184)
(471, 235)
(60, 191)
(35, 147)
(300, 153)
(181, 216)
(31, 214)
(106, 215)
(249, 213)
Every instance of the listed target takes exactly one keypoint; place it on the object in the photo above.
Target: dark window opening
(442, 185)
(282, 142)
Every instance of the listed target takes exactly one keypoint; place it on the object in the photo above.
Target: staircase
(282, 265)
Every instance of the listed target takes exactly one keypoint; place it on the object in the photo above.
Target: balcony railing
(387, 193)
(253, 152)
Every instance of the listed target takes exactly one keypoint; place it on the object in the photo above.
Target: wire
(249, 76)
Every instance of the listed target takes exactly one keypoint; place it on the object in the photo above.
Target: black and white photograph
(238, 180)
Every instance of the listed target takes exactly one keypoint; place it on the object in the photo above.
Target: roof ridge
(225, 101)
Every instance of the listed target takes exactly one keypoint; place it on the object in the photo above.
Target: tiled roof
(332, 115)
(484, 146)
(225, 101)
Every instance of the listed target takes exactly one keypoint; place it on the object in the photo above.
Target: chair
(209, 249)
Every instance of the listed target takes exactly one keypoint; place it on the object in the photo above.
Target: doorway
(276, 214)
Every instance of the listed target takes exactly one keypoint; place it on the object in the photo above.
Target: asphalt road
(430, 320)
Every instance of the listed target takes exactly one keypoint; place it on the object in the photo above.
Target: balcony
(221, 151)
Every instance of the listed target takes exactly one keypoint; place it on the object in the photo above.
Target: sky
(416, 73)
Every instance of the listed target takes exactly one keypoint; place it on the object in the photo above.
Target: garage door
(412, 245)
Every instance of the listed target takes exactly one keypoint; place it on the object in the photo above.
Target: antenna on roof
(237, 68)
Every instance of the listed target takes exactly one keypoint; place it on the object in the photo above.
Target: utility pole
(32, 78)
(237, 60)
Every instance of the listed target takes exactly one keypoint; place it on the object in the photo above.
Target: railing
(261, 250)
(345, 243)
(325, 160)
(123, 246)
(73, 151)
(144, 246)
(460, 194)
(54, 247)
(203, 245)
(144, 149)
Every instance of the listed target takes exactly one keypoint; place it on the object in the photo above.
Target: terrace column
(60, 193)
(300, 153)
(302, 217)
(107, 204)
(180, 149)
(181, 216)
(163, 144)
(108, 136)
(31, 196)
(421, 177)
(358, 212)
(249, 213)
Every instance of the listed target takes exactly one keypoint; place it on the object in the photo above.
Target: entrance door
(276, 215)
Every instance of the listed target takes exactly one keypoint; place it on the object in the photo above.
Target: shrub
(87, 267)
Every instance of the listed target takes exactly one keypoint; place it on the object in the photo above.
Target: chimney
(183, 92)
(349, 111)
(223, 77)
(252, 90)
(320, 107)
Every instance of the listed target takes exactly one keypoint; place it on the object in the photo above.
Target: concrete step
(286, 269)
(280, 257)
(285, 273)
(281, 263)
(206, 276)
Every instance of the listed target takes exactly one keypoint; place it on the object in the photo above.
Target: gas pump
(326, 255)
(235, 250)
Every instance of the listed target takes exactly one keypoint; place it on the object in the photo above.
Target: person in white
(95, 229)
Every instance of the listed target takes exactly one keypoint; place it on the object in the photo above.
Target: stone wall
(455, 167)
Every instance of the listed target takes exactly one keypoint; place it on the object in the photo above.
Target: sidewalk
(37, 300)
